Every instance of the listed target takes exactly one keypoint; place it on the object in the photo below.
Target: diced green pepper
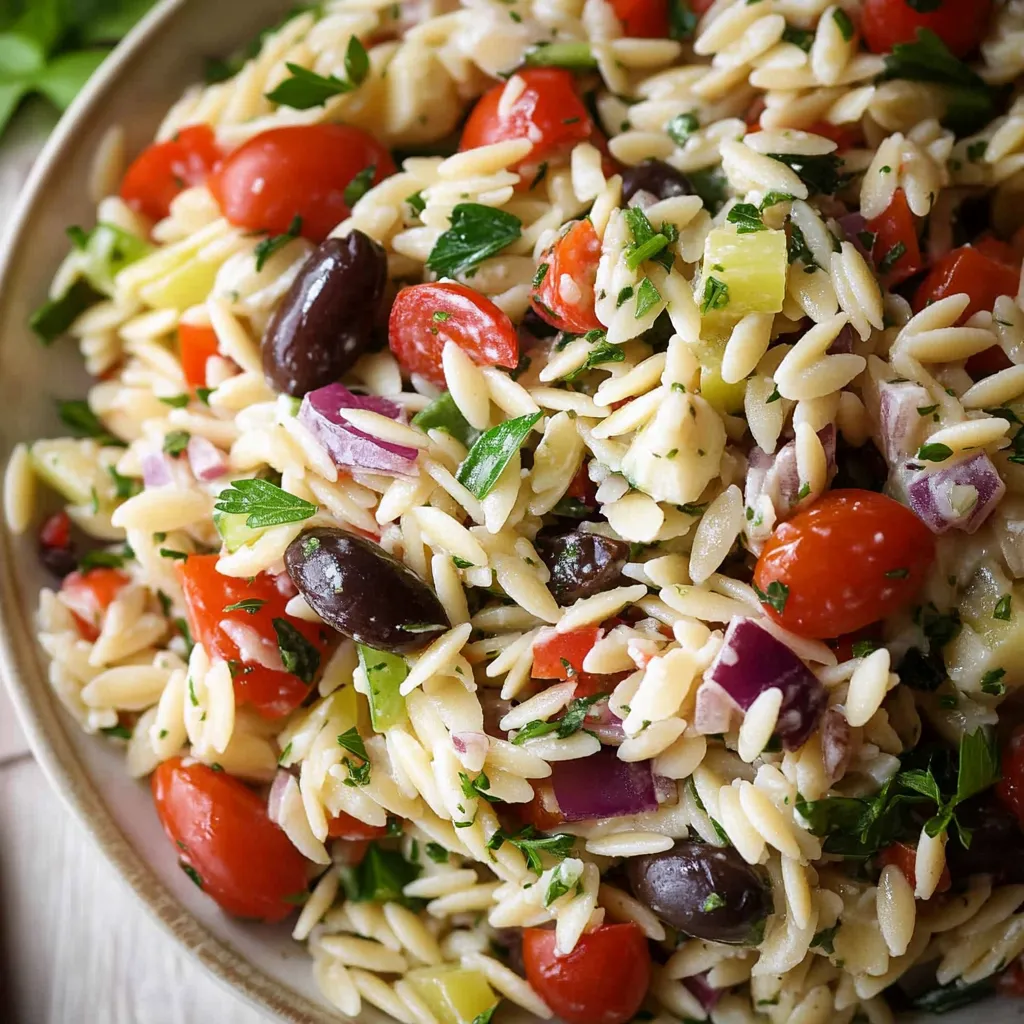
(455, 995)
(385, 673)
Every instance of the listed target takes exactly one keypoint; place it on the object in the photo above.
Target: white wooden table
(76, 946)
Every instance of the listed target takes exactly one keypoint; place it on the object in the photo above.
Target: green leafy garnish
(250, 604)
(890, 259)
(563, 880)
(600, 354)
(359, 185)
(682, 21)
(746, 217)
(934, 452)
(776, 595)
(443, 414)
(1002, 608)
(263, 503)
(437, 853)
(306, 89)
(798, 37)
(117, 732)
(476, 233)
(532, 844)
(176, 442)
(647, 243)
(269, 246)
(83, 422)
(681, 127)
(299, 656)
(478, 787)
(647, 297)
(380, 877)
(716, 295)
(571, 721)
(55, 316)
(492, 452)
(821, 174)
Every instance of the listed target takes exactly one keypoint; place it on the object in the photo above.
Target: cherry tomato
(164, 169)
(548, 111)
(560, 655)
(196, 344)
(884, 551)
(298, 171)
(233, 851)
(426, 316)
(542, 811)
(642, 19)
(845, 646)
(602, 981)
(344, 826)
(960, 24)
(582, 488)
(893, 228)
(569, 306)
(56, 531)
(89, 594)
(263, 683)
(1010, 788)
(904, 856)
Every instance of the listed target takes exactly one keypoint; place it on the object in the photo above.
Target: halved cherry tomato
(1010, 788)
(196, 344)
(560, 655)
(845, 136)
(895, 252)
(164, 169)
(344, 826)
(89, 594)
(426, 316)
(960, 24)
(233, 851)
(297, 171)
(602, 981)
(844, 646)
(56, 531)
(542, 811)
(642, 19)
(904, 856)
(263, 683)
(548, 112)
(569, 307)
(884, 551)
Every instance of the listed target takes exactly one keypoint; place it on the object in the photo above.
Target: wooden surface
(76, 946)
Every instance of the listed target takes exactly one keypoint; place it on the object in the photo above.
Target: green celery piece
(443, 414)
(385, 673)
(108, 250)
(491, 453)
(455, 995)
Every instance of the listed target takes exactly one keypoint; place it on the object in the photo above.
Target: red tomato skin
(861, 533)
(893, 226)
(642, 19)
(344, 826)
(602, 981)
(1010, 788)
(273, 693)
(575, 254)
(56, 531)
(904, 856)
(542, 812)
(220, 828)
(301, 170)
(845, 136)
(164, 169)
(89, 594)
(960, 24)
(582, 487)
(196, 344)
(552, 650)
(474, 323)
(548, 111)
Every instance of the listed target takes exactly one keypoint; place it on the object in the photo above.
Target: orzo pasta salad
(549, 518)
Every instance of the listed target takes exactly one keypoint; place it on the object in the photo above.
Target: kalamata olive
(355, 586)
(997, 844)
(658, 178)
(707, 891)
(581, 564)
(59, 561)
(325, 320)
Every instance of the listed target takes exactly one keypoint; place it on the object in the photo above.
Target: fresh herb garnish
(934, 452)
(647, 297)
(821, 173)
(491, 453)
(776, 595)
(359, 185)
(681, 127)
(532, 844)
(716, 295)
(746, 217)
(476, 233)
(83, 422)
(269, 246)
(299, 656)
(306, 89)
(575, 56)
(263, 503)
(250, 604)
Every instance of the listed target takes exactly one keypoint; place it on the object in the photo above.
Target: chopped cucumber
(385, 673)
(233, 531)
(105, 252)
(455, 995)
(73, 469)
(183, 287)
(752, 268)
(725, 398)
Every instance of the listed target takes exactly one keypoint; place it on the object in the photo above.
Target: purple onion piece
(157, 470)
(751, 661)
(602, 786)
(713, 710)
(843, 342)
(778, 477)
(900, 424)
(350, 448)
(853, 224)
(208, 462)
(957, 497)
(702, 991)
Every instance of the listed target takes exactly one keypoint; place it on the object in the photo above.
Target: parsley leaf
(600, 354)
(564, 879)
(478, 787)
(263, 503)
(380, 877)
(776, 595)
(681, 127)
(476, 233)
(532, 843)
(746, 217)
(716, 295)
(491, 453)
(306, 89)
(299, 656)
(934, 452)
(83, 422)
(682, 21)
(443, 414)
(647, 297)
(250, 604)
(269, 246)
(359, 185)
(819, 173)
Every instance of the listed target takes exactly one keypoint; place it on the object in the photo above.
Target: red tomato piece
(845, 136)
(164, 169)
(261, 680)
(642, 19)
(298, 171)
(232, 850)
(602, 981)
(560, 655)
(892, 228)
(960, 24)
(582, 488)
(56, 531)
(844, 645)
(542, 812)
(884, 551)
(1010, 788)
(904, 856)
(344, 826)
(700, 6)
(426, 316)
(89, 594)
(574, 255)
(196, 344)
(548, 111)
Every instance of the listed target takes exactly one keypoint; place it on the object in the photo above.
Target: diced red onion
(602, 786)
(751, 661)
(666, 790)
(472, 748)
(275, 799)
(157, 470)
(252, 646)
(957, 497)
(699, 988)
(350, 448)
(208, 462)
(835, 743)
(853, 224)
(778, 476)
(712, 714)
(843, 343)
(901, 426)
(605, 724)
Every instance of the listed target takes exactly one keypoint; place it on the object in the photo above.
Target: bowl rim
(19, 659)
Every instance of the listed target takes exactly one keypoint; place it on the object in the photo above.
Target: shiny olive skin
(325, 321)
(662, 180)
(581, 564)
(355, 586)
(706, 891)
